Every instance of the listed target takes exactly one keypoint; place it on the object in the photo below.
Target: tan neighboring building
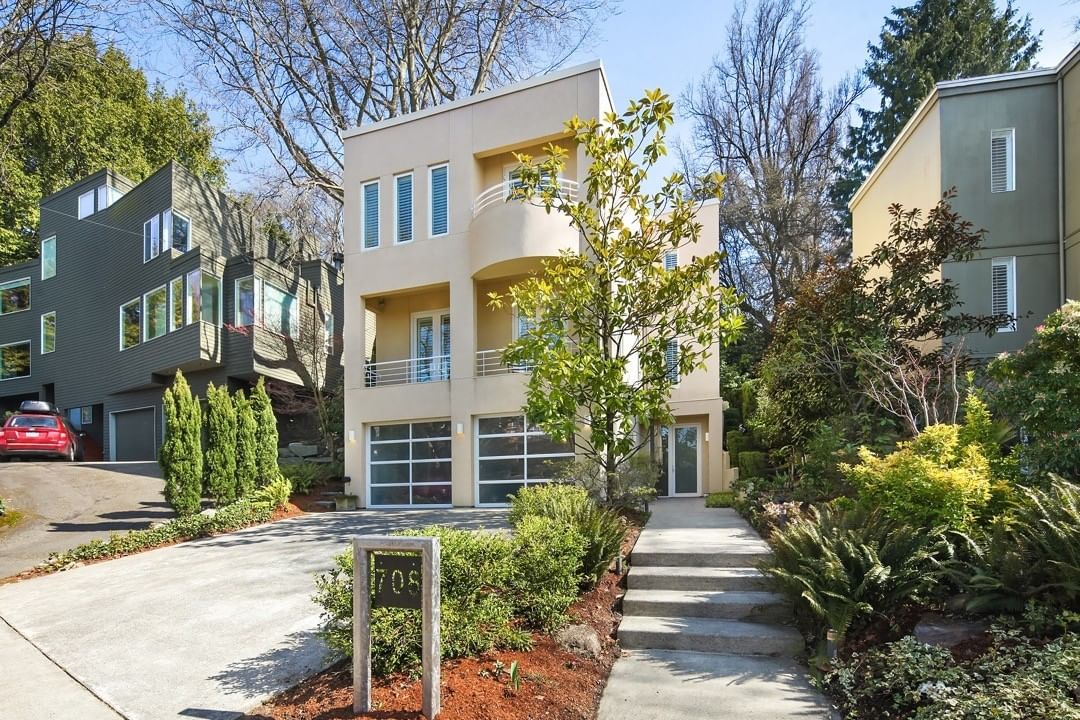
(432, 414)
(1010, 145)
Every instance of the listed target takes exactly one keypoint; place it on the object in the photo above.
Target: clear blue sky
(670, 43)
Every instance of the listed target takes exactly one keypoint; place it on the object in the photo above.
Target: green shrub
(1018, 677)
(724, 499)
(738, 441)
(246, 468)
(633, 487)
(841, 566)
(221, 476)
(181, 454)
(266, 435)
(546, 571)
(273, 495)
(477, 609)
(929, 481)
(306, 475)
(753, 464)
(1033, 554)
(602, 529)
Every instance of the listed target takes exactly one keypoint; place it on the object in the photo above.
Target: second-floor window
(1003, 160)
(156, 313)
(203, 298)
(278, 310)
(671, 260)
(131, 324)
(671, 357)
(48, 258)
(15, 360)
(403, 215)
(246, 301)
(440, 200)
(176, 303)
(48, 332)
(15, 296)
(369, 212)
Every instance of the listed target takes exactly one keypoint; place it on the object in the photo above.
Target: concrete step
(726, 637)
(696, 578)
(732, 604)
(732, 558)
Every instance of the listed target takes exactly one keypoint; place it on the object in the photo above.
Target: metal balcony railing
(410, 370)
(500, 193)
(490, 362)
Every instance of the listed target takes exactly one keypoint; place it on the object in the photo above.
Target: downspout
(1061, 188)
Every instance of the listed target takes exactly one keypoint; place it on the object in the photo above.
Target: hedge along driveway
(204, 629)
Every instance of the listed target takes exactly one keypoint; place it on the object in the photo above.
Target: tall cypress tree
(246, 467)
(923, 44)
(220, 445)
(181, 451)
(266, 436)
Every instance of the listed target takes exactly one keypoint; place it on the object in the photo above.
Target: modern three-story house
(433, 414)
(135, 281)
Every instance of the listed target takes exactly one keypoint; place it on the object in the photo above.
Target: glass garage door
(409, 464)
(511, 455)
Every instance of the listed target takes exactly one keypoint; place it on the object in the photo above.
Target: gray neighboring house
(1010, 145)
(136, 281)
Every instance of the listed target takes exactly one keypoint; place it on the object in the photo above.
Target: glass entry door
(680, 460)
(431, 346)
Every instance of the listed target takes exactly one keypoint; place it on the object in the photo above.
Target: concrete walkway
(206, 629)
(702, 633)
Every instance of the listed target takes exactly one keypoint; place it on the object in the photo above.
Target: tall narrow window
(176, 303)
(48, 332)
(166, 229)
(211, 299)
(155, 313)
(179, 232)
(370, 214)
(86, 204)
(328, 333)
(403, 201)
(245, 300)
(131, 324)
(103, 197)
(48, 258)
(671, 260)
(194, 296)
(1003, 160)
(671, 357)
(440, 200)
(1003, 291)
(151, 238)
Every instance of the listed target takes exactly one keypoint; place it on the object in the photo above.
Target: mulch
(555, 684)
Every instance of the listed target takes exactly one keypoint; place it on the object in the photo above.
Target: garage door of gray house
(133, 434)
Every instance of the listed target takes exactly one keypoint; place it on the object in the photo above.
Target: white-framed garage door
(132, 434)
(512, 454)
(409, 464)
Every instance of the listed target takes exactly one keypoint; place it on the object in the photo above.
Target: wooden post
(432, 645)
(361, 629)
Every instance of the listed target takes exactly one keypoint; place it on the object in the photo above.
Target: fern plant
(842, 566)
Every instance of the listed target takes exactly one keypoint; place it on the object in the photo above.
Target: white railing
(500, 193)
(410, 370)
(490, 362)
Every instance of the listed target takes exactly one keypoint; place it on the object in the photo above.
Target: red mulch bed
(556, 684)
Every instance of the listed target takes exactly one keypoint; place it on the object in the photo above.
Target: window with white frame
(671, 260)
(328, 332)
(246, 301)
(15, 360)
(409, 464)
(1003, 291)
(671, 357)
(203, 298)
(403, 206)
(48, 332)
(176, 231)
(14, 296)
(511, 455)
(1002, 160)
(176, 303)
(514, 181)
(369, 220)
(156, 313)
(131, 324)
(279, 310)
(151, 238)
(86, 204)
(439, 177)
(48, 258)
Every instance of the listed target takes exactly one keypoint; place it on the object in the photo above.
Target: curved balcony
(508, 236)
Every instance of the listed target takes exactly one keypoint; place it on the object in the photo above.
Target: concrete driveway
(66, 504)
(205, 629)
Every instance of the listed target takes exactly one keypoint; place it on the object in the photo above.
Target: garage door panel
(133, 435)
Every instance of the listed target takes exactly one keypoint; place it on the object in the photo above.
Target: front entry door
(680, 460)
(431, 346)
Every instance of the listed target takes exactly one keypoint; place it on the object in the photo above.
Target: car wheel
(71, 452)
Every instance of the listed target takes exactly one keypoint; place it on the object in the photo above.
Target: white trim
(1009, 263)
(1009, 135)
(294, 309)
(173, 301)
(17, 283)
(149, 249)
(41, 349)
(79, 209)
(412, 208)
(431, 200)
(187, 235)
(490, 94)
(137, 300)
(43, 243)
(256, 309)
(146, 313)
(29, 359)
(378, 218)
(112, 430)
(671, 458)
(524, 457)
(435, 315)
(368, 442)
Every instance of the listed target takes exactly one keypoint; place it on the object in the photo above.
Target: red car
(39, 431)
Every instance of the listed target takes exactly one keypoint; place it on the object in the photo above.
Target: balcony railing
(490, 362)
(499, 193)
(410, 370)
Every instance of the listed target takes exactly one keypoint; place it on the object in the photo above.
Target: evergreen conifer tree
(266, 436)
(245, 445)
(221, 424)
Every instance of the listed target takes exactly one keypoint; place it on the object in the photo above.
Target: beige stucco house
(1010, 146)
(432, 414)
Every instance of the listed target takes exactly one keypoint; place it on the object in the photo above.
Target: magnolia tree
(605, 316)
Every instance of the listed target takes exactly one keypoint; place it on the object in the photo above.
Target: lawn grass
(10, 519)
(720, 499)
